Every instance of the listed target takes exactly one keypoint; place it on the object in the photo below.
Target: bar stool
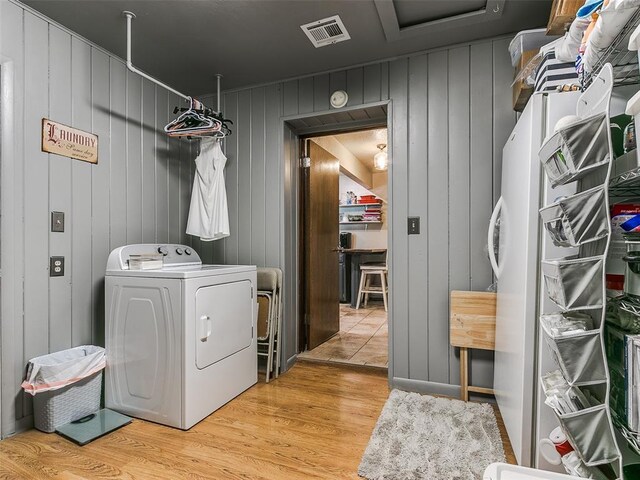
(367, 271)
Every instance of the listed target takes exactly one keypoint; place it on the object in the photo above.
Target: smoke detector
(326, 31)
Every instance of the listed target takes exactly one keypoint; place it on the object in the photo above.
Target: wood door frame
(291, 232)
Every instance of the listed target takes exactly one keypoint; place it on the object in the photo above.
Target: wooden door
(321, 230)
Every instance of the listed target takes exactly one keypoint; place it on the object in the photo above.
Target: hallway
(362, 340)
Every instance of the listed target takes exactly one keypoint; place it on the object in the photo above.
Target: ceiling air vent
(326, 31)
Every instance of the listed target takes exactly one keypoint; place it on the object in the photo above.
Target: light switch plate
(414, 225)
(57, 221)
(56, 266)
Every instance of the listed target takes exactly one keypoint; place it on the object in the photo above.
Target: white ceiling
(186, 42)
(363, 144)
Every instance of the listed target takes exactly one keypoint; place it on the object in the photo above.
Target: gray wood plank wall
(139, 190)
(450, 116)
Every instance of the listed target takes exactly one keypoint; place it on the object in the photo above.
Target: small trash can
(66, 385)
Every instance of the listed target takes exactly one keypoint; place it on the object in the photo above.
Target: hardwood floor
(312, 422)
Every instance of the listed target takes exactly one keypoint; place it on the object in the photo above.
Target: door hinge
(305, 162)
(251, 291)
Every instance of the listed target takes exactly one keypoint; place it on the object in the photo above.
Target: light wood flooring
(312, 422)
(363, 338)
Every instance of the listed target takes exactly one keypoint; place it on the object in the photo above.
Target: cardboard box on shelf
(522, 91)
(562, 14)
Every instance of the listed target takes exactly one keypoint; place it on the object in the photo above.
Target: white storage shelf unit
(358, 209)
(581, 154)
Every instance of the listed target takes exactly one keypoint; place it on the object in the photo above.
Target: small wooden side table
(472, 324)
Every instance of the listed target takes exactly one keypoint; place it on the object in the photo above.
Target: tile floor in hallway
(362, 340)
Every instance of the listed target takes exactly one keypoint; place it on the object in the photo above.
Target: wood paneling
(419, 134)
(13, 71)
(175, 160)
(438, 216)
(371, 83)
(100, 193)
(450, 115)
(36, 189)
(273, 175)
(118, 160)
(127, 197)
(60, 198)
(164, 112)
(481, 191)
(79, 265)
(231, 176)
(257, 182)
(134, 154)
(459, 181)
(399, 209)
(149, 219)
(243, 127)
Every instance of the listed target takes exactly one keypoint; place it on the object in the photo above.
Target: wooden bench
(472, 324)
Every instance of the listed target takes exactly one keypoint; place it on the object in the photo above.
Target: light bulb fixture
(380, 159)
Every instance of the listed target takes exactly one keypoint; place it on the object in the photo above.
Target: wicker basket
(59, 407)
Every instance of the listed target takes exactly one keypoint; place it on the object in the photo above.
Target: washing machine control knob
(163, 250)
(179, 251)
(187, 251)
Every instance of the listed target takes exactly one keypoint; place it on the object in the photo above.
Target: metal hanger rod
(130, 16)
(218, 77)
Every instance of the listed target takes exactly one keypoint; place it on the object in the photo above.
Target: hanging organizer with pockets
(580, 153)
(577, 149)
(578, 219)
(575, 346)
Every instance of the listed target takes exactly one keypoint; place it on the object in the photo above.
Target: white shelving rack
(623, 62)
(581, 154)
(356, 208)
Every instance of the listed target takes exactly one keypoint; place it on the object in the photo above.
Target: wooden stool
(472, 324)
(366, 271)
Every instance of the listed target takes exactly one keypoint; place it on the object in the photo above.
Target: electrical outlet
(414, 225)
(56, 266)
(57, 221)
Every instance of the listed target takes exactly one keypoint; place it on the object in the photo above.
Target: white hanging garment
(208, 214)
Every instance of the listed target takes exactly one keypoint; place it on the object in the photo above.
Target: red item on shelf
(368, 199)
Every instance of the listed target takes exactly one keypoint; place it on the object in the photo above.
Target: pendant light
(380, 159)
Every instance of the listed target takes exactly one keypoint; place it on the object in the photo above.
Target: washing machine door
(224, 321)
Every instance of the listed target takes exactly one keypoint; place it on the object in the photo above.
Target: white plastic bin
(528, 40)
(66, 385)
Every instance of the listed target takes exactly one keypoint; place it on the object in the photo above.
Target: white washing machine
(180, 340)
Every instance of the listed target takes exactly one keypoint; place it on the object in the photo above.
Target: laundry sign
(69, 142)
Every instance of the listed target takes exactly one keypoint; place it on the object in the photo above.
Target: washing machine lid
(184, 272)
(171, 261)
